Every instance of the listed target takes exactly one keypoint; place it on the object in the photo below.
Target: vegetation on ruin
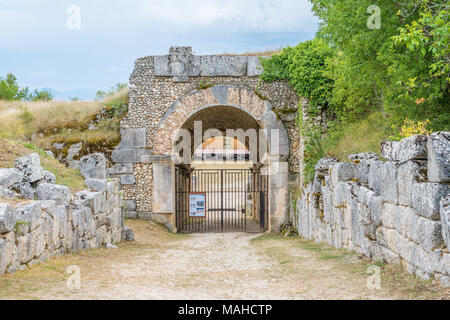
(34, 126)
(375, 84)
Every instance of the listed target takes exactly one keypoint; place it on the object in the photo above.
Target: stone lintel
(181, 64)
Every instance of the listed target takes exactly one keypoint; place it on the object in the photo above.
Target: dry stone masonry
(396, 211)
(55, 221)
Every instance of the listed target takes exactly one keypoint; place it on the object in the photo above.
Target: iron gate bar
(227, 199)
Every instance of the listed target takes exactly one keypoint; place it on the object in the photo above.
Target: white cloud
(248, 16)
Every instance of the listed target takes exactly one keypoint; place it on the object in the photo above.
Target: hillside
(27, 127)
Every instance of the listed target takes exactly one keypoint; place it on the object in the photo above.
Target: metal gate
(236, 200)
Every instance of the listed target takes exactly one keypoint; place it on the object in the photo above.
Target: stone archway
(223, 107)
(166, 91)
(224, 96)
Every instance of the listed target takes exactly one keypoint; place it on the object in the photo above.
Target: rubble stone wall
(396, 211)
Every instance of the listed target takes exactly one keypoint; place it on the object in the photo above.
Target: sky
(47, 44)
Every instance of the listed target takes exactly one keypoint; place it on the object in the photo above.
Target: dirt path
(208, 266)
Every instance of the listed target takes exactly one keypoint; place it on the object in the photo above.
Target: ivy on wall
(305, 67)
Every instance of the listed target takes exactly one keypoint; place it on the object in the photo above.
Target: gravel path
(205, 266)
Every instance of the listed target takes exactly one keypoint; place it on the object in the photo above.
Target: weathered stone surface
(127, 179)
(439, 157)
(93, 166)
(59, 146)
(7, 193)
(93, 200)
(50, 153)
(398, 218)
(129, 205)
(363, 157)
(162, 193)
(123, 168)
(127, 234)
(8, 177)
(412, 148)
(31, 167)
(409, 173)
(374, 178)
(49, 177)
(344, 171)
(29, 214)
(7, 218)
(388, 188)
(25, 190)
(46, 191)
(445, 220)
(426, 199)
(325, 163)
(133, 138)
(126, 156)
(430, 235)
(97, 184)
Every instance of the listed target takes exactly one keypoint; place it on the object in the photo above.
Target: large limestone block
(127, 234)
(126, 156)
(8, 177)
(123, 168)
(445, 220)
(388, 215)
(24, 189)
(409, 173)
(31, 167)
(426, 199)
(61, 194)
(7, 193)
(93, 166)
(387, 182)
(406, 222)
(7, 253)
(90, 199)
(374, 178)
(323, 165)
(430, 235)
(439, 157)
(98, 185)
(24, 248)
(412, 148)
(30, 214)
(163, 190)
(344, 171)
(49, 177)
(7, 218)
(133, 138)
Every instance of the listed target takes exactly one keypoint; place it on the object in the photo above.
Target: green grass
(363, 135)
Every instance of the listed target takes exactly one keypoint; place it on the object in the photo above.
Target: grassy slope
(10, 150)
(56, 121)
(363, 135)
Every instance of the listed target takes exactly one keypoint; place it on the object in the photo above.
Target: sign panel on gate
(197, 205)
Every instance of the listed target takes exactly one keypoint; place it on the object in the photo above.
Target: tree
(428, 36)
(9, 88)
(41, 95)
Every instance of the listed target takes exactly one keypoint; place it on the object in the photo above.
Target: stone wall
(160, 84)
(396, 211)
(57, 222)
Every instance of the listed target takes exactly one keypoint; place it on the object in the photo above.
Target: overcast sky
(37, 45)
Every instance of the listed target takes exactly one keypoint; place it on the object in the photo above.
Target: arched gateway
(177, 103)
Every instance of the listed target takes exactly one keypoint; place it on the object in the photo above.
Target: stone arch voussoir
(242, 98)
